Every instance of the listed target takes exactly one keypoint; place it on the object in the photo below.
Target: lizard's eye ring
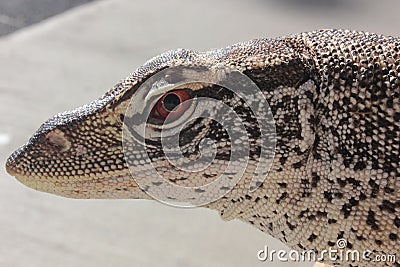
(171, 105)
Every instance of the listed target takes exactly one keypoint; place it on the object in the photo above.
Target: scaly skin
(334, 96)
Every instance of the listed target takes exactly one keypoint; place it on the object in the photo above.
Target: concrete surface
(16, 14)
(73, 58)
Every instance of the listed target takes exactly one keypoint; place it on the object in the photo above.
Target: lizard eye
(171, 104)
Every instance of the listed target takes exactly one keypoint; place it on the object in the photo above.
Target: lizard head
(173, 123)
(185, 126)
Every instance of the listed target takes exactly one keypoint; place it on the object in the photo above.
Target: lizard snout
(12, 161)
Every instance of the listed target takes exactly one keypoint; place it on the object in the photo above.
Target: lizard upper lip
(10, 167)
(12, 161)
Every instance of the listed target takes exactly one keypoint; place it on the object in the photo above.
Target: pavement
(17, 14)
(74, 57)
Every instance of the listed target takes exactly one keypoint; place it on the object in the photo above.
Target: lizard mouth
(10, 167)
(16, 167)
(12, 162)
(118, 184)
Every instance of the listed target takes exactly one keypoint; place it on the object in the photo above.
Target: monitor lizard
(334, 96)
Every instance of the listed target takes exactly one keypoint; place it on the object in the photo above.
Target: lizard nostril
(57, 141)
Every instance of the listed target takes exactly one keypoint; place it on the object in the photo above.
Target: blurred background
(60, 54)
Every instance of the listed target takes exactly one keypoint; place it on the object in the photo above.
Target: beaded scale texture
(334, 96)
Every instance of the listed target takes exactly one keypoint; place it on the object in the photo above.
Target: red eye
(170, 105)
